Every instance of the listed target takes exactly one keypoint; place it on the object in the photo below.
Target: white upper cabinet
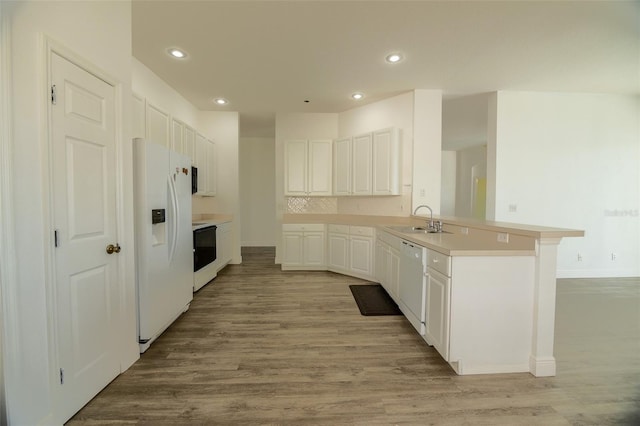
(206, 161)
(190, 142)
(177, 133)
(158, 125)
(386, 162)
(307, 167)
(368, 164)
(361, 159)
(295, 167)
(342, 167)
(138, 127)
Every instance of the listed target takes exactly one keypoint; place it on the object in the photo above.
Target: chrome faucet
(430, 221)
(430, 224)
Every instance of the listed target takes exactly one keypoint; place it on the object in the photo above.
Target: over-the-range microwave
(194, 180)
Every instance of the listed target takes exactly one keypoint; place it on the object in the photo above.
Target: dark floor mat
(373, 300)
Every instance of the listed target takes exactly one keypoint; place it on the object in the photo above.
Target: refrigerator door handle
(174, 221)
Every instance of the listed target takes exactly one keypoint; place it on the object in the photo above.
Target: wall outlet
(579, 257)
(613, 257)
(464, 230)
(422, 192)
(513, 208)
(503, 237)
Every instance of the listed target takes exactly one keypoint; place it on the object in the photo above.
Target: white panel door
(86, 286)
(295, 167)
(320, 164)
(158, 126)
(361, 160)
(342, 167)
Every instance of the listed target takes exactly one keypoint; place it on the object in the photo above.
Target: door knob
(113, 249)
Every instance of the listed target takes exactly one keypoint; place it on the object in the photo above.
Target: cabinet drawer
(339, 229)
(302, 227)
(361, 230)
(440, 262)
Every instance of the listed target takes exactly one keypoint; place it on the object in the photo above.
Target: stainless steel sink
(416, 230)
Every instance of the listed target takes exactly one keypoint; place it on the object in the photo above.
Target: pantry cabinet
(304, 247)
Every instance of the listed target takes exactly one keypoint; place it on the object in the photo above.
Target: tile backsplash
(317, 205)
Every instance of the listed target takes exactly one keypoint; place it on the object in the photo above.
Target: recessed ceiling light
(220, 101)
(177, 53)
(357, 96)
(393, 58)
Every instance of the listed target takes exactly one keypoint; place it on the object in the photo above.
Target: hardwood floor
(261, 346)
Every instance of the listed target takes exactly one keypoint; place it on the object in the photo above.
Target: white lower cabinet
(437, 301)
(223, 245)
(338, 248)
(351, 250)
(388, 263)
(303, 247)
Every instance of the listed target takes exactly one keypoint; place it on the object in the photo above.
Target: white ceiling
(270, 56)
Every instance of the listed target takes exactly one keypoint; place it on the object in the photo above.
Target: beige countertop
(211, 219)
(453, 244)
(479, 239)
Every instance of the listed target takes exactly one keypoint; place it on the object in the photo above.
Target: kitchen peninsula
(486, 301)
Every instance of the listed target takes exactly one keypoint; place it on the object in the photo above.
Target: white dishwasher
(413, 284)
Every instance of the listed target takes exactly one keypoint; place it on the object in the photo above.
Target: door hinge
(53, 94)
(62, 376)
(55, 238)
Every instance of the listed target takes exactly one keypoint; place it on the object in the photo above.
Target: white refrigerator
(164, 241)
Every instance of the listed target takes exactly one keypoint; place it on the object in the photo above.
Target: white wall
(464, 121)
(466, 160)
(258, 192)
(99, 32)
(427, 149)
(572, 160)
(448, 186)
